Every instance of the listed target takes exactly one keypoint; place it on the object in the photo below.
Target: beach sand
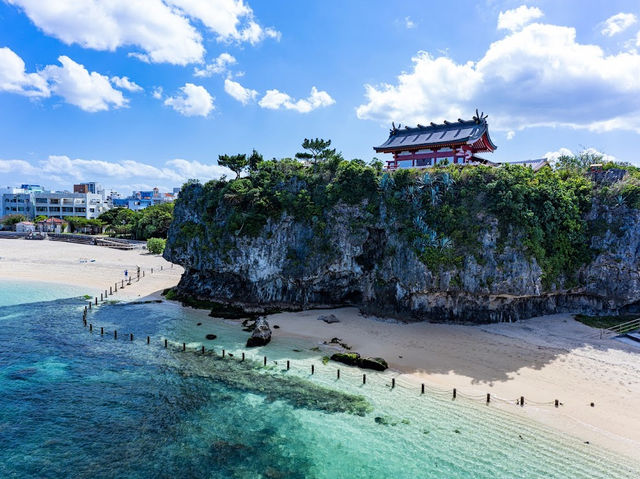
(542, 359)
(95, 267)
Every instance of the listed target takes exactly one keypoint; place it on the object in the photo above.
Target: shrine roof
(448, 133)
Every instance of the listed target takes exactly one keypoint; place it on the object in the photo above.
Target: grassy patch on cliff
(440, 213)
(604, 322)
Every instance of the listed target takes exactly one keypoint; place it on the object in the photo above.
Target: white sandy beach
(541, 359)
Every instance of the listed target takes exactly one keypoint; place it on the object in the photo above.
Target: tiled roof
(460, 132)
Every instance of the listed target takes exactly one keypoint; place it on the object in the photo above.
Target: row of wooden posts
(114, 289)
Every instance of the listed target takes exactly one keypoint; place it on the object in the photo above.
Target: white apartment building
(65, 204)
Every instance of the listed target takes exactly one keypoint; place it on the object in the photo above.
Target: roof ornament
(421, 126)
(480, 118)
(394, 129)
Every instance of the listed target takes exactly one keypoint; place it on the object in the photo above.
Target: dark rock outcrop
(354, 359)
(261, 334)
(369, 264)
(328, 318)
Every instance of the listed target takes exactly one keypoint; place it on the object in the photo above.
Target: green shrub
(156, 245)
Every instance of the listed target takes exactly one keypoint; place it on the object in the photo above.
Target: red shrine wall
(426, 158)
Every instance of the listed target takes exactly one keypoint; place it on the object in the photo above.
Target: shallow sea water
(75, 403)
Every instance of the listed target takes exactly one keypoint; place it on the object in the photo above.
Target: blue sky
(146, 93)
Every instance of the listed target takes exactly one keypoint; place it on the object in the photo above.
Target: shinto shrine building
(447, 143)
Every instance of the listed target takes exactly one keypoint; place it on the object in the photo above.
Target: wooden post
(130, 336)
(110, 290)
(90, 327)
(338, 374)
(488, 398)
(101, 330)
(521, 401)
(202, 349)
(115, 288)
(242, 356)
(312, 369)
(422, 389)
(122, 284)
(364, 379)
(148, 339)
(288, 365)
(223, 353)
(165, 343)
(265, 361)
(393, 383)
(101, 299)
(105, 294)
(89, 304)
(96, 301)
(455, 393)
(184, 346)
(115, 334)
(84, 322)
(556, 403)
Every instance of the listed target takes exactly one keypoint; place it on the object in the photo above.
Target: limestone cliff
(389, 259)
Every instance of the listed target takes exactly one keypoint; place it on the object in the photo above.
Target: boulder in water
(261, 334)
(211, 336)
(354, 359)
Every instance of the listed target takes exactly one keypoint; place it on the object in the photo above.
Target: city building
(64, 204)
(140, 200)
(438, 144)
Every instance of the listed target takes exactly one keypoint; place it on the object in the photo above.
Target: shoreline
(542, 359)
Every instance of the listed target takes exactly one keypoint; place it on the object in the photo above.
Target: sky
(144, 93)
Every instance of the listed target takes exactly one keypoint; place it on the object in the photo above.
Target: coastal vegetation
(156, 245)
(151, 222)
(440, 212)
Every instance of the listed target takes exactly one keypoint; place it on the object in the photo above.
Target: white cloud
(157, 93)
(539, 76)
(160, 30)
(553, 156)
(517, 18)
(194, 100)
(274, 100)
(218, 66)
(409, 23)
(14, 79)
(240, 93)
(126, 84)
(90, 91)
(64, 171)
(511, 134)
(618, 23)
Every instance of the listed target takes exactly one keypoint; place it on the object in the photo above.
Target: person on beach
(126, 274)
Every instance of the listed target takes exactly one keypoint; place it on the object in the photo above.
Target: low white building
(65, 204)
(25, 227)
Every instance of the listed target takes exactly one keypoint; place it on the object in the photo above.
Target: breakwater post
(89, 304)
(288, 365)
(223, 353)
(242, 357)
(184, 346)
(202, 349)
(101, 330)
(165, 343)
(96, 301)
(455, 393)
(422, 389)
(90, 327)
(338, 374)
(393, 383)
(521, 401)
(556, 403)
(148, 339)
(130, 336)
(312, 369)
(110, 290)
(101, 299)
(364, 379)
(265, 361)
(115, 334)
(488, 398)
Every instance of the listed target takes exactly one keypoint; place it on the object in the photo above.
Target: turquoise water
(79, 404)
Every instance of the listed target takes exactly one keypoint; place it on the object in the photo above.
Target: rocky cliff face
(359, 260)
